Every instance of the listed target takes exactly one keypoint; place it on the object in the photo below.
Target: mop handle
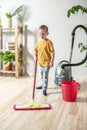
(34, 83)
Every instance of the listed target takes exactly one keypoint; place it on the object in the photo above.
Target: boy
(44, 52)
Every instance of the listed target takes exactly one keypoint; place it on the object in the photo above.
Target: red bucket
(69, 90)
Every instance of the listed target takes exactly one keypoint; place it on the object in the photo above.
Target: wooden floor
(62, 116)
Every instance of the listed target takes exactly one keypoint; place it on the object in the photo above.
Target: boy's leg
(45, 79)
(41, 73)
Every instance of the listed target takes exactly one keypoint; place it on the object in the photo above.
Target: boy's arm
(36, 54)
(52, 59)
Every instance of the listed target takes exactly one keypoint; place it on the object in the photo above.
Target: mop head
(32, 106)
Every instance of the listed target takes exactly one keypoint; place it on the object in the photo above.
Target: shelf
(4, 71)
(18, 48)
(4, 50)
(12, 28)
(7, 28)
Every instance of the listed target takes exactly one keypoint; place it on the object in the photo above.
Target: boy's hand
(52, 59)
(36, 55)
(51, 64)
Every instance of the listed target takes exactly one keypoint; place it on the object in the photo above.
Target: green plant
(82, 47)
(7, 57)
(17, 11)
(75, 9)
(1, 56)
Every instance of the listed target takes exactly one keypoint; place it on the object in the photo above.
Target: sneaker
(44, 92)
(39, 87)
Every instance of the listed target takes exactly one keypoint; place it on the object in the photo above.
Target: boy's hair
(44, 27)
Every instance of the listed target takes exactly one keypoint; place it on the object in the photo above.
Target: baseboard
(80, 78)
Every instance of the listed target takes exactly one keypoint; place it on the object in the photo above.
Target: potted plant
(8, 57)
(1, 56)
(82, 47)
(9, 15)
(73, 10)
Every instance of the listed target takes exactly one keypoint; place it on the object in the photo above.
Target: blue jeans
(44, 76)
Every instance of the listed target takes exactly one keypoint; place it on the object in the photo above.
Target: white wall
(53, 13)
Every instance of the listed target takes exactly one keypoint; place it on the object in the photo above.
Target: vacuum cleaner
(63, 71)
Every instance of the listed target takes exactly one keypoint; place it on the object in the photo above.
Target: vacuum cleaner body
(62, 74)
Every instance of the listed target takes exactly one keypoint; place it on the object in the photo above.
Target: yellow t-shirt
(44, 49)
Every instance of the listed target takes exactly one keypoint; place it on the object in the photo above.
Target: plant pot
(8, 67)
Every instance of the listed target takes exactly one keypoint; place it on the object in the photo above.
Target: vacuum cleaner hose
(75, 64)
(73, 35)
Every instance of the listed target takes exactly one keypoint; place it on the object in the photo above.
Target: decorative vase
(9, 22)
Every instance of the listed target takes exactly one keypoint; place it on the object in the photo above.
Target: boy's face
(42, 34)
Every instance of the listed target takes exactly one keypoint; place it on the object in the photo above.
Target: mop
(32, 105)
